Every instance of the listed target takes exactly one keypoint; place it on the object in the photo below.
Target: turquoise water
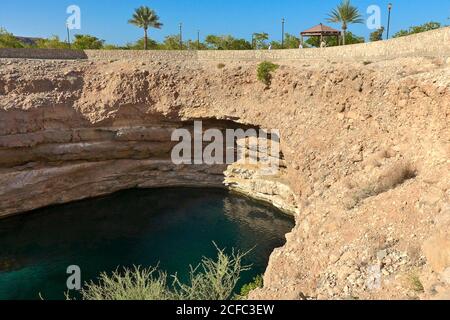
(170, 227)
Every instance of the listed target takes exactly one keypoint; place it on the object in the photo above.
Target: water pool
(170, 227)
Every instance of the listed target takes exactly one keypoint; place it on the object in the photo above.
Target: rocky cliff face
(366, 151)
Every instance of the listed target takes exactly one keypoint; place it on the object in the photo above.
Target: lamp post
(282, 32)
(181, 36)
(389, 20)
(68, 34)
(198, 39)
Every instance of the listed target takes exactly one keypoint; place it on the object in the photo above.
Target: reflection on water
(172, 227)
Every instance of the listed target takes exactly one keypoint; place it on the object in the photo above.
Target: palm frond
(144, 17)
(334, 16)
(345, 13)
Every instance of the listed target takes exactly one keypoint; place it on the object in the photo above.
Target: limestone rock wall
(266, 179)
(365, 155)
(59, 166)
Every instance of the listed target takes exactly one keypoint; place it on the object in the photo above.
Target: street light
(68, 34)
(198, 39)
(282, 31)
(181, 36)
(389, 19)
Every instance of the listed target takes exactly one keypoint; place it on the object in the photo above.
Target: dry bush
(395, 176)
(210, 280)
(390, 179)
(414, 283)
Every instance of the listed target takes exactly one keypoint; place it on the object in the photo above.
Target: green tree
(418, 29)
(377, 35)
(345, 14)
(194, 45)
(171, 43)
(52, 43)
(7, 40)
(214, 42)
(140, 45)
(260, 40)
(226, 42)
(84, 41)
(276, 45)
(291, 41)
(240, 44)
(145, 18)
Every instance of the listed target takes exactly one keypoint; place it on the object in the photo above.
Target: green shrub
(7, 40)
(377, 35)
(221, 66)
(265, 70)
(85, 42)
(418, 29)
(415, 284)
(394, 176)
(52, 43)
(257, 283)
(210, 280)
(130, 284)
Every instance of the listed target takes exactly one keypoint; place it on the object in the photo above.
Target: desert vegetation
(392, 177)
(419, 29)
(377, 35)
(257, 283)
(264, 72)
(414, 283)
(210, 280)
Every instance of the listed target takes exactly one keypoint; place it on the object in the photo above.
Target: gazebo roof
(321, 29)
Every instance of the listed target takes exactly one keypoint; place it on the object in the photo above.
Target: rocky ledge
(365, 168)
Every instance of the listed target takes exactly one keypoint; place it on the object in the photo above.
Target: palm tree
(346, 14)
(258, 40)
(144, 17)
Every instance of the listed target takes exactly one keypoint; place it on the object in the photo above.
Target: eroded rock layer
(366, 149)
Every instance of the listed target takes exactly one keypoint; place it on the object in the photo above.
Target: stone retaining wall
(432, 43)
(52, 54)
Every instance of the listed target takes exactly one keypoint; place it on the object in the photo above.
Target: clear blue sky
(107, 19)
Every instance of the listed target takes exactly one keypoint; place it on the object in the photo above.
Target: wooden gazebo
(321, 31)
